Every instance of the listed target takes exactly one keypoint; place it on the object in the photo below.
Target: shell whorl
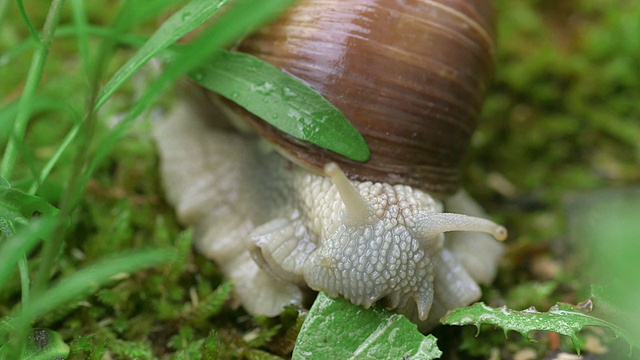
(410, 75)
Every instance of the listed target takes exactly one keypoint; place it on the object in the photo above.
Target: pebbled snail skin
(378, 233)
(276, 229)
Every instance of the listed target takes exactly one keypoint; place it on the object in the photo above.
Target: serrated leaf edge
(570, 329)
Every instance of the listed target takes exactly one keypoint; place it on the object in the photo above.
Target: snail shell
(410, 75)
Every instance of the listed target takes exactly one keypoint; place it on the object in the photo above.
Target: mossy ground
(562, 118)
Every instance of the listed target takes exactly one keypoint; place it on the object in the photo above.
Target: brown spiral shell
(410, 75)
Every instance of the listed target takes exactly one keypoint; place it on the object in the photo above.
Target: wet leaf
(282, 101)
(562, 318)
(337, 329)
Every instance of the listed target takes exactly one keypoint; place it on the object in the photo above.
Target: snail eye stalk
(431, 225)
(359, 211)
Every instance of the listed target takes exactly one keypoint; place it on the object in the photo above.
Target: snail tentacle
(432, 225)
(280, 248)
(359, 211)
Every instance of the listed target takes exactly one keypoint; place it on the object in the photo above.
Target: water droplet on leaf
(265, 88)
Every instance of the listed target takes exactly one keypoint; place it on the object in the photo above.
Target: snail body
(276, 229)
(376, 233)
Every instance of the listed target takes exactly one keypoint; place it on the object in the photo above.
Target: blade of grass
(42, 104)
(82, 37)
(33, 79)
(83, 130)
(8, 230)
(8, 55)
(63, 31)
(27, 21)
(179, 24)
(80, 284)
(91, 278)
(105, 33)
(16, 207)
(130, 13)
(23, 269)
(22, 243)
(4, 9)
(53, 159)
(77, 184)
(239, 18)
(134, 12)
(38, 104)
(176, 26)
(24, 112)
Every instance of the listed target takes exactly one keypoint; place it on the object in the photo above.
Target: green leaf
(282, 101)
(337, 329)
(562, 318)
(16, 205)
(43, 344)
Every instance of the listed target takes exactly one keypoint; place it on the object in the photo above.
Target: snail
(410, 75)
